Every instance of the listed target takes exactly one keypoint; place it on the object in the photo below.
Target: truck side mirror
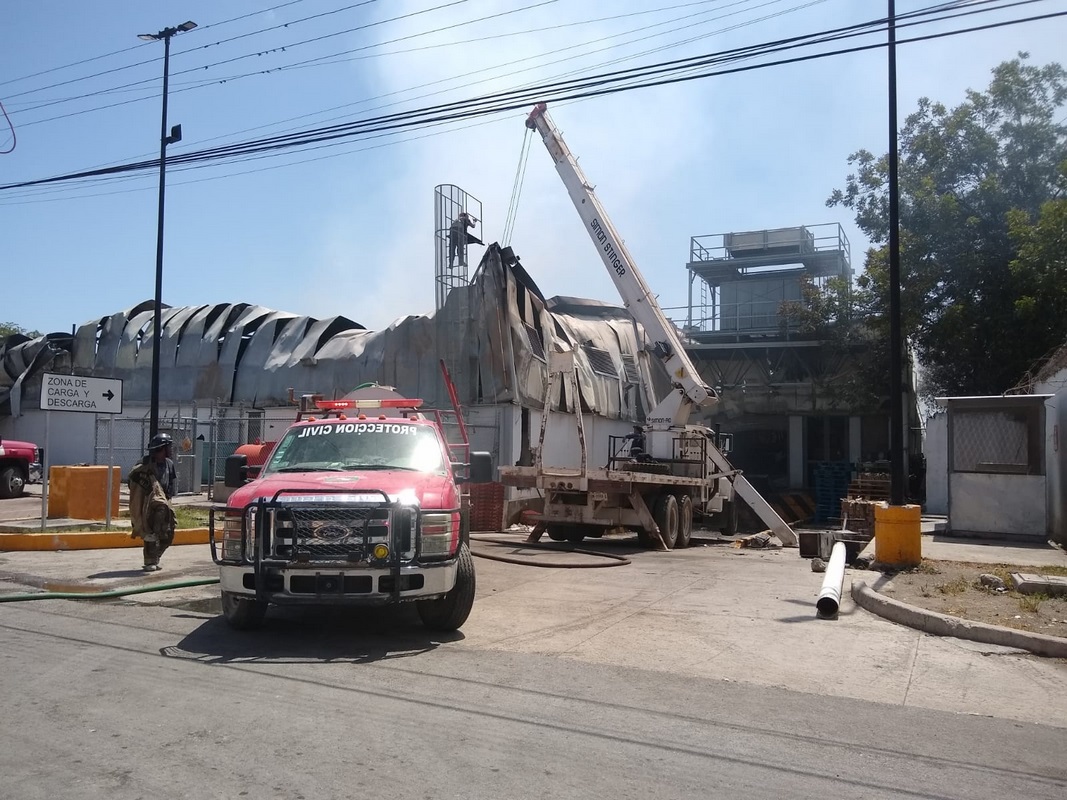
(481, 467)
(236, 470)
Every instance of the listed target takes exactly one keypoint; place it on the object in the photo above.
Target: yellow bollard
(58, 491)
(898, 535)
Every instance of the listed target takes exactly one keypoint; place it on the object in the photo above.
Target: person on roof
(152, 483)
(459, 237)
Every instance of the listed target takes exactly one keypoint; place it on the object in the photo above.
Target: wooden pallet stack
(857, 515)
(869, 486)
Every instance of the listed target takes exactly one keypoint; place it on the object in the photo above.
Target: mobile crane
(687, 471)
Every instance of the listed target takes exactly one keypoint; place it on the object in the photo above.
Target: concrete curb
(944, 625)
(89, 540)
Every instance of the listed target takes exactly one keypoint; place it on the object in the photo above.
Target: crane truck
(684, 470)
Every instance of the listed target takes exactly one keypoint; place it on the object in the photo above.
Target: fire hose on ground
(613, 560)
(158, 587)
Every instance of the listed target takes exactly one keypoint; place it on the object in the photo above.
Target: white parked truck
(683, 470)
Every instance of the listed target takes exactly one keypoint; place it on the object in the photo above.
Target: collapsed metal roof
(493, 334)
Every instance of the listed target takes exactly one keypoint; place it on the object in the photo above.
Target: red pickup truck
(20, 463)
(356, 508)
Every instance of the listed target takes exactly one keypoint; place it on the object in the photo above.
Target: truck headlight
(231, 534)
(440, 535)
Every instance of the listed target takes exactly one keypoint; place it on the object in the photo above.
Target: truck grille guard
(327, 527)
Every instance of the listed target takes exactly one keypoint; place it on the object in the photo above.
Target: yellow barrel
(81, 492)
(898, 535)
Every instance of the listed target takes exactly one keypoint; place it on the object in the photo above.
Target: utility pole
(898, 473)
(164, 139)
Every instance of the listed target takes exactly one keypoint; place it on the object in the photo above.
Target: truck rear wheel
(11, 482)
(566, 533)
(666, 515)
(448, 613)
(729, 519)
(243, 613)
(685, 521)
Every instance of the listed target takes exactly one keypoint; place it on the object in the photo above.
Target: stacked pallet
(870, 486)
(486, 506)
(857, 515)
(831, 484)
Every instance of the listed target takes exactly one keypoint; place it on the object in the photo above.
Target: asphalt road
(126, 700)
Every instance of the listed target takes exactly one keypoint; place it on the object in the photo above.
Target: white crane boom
(689, 390)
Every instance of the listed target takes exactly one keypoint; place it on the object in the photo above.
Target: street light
(164, 139)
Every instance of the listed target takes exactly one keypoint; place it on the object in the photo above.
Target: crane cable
(516, 190)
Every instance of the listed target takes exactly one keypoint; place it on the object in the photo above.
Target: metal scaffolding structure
(452, 258)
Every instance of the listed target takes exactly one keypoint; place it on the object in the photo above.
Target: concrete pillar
(796, 452)
(855, 427)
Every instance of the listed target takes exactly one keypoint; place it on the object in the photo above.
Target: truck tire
(243, 613)
(666, 515)
(576, 535)
(685, 521)
(729, 519)
(557, 533)
(448, 613)
(11, 482)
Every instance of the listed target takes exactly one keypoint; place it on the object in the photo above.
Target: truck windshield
(337, 446)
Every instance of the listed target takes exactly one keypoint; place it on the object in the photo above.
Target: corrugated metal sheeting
(493, 334)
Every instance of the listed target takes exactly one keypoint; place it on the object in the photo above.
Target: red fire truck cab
(361, 505)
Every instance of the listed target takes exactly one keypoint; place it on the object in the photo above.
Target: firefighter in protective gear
(152, 484)
(459, 238)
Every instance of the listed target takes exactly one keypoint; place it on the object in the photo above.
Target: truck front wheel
(448, 613)
(11, 482)
(243, 613)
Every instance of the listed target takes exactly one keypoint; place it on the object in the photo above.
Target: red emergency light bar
(341, 405)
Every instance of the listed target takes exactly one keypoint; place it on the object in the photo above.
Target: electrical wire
(258, 54)
(194, 32)
(12, 127)
(510, 100)
(135, 47)
(581, 46)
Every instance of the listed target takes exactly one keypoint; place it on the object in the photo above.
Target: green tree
(973, 179)
(10, 329)
(1040, 270)
(855, 343)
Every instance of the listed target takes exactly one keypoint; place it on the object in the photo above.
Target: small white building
(997, 466)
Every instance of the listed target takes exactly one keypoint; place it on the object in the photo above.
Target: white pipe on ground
(830, 594)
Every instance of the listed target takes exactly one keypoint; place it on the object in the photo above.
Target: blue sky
(349, 229)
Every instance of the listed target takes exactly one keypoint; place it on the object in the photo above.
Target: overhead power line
(89, 60)
(610, 83)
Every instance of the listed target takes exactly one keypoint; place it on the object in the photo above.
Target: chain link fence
(227, 431)
(201, 446)
(123, 441)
